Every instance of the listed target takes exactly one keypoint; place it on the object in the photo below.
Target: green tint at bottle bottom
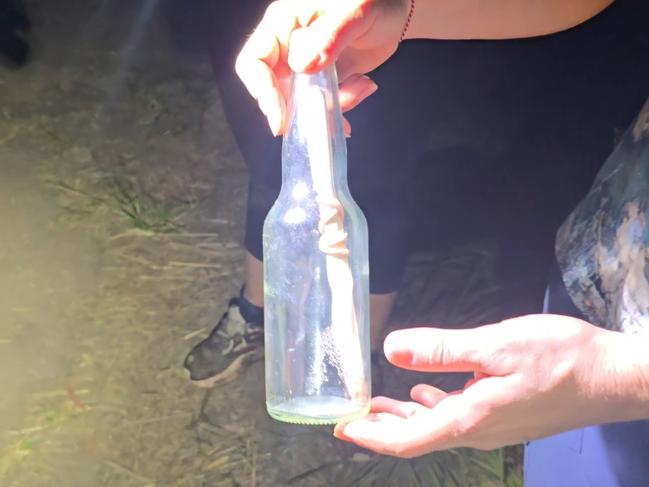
(317, 410)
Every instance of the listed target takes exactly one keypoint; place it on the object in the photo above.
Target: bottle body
(316, 271)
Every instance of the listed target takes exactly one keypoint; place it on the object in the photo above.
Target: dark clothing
(603, 248)
(463, 140)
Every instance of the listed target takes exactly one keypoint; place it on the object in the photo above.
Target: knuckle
(249, 80)
(279, 11)
(240, 65)
(329, 40)
(469, 424)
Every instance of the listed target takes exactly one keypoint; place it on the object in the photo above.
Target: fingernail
(370, 88)
(347, 128)
(369, 91)
(388, 344)
(273, 115)
(275, 122)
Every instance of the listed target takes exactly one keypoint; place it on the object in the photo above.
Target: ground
(122, 199)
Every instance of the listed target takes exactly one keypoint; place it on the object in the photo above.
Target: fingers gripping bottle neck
(316, 272)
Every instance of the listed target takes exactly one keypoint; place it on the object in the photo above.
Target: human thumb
(438, 350)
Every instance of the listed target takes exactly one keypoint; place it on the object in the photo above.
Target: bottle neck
(314, 153)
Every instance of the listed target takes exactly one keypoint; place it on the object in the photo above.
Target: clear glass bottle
(316, 270)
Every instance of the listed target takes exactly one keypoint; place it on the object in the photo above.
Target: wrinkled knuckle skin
(464, 429)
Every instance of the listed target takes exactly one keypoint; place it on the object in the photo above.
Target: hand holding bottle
(359, 35)
(307, 36)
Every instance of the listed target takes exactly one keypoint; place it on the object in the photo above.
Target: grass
(140, 209)
(146, 212)
(453, 468)
(26, 444)
(455, 287)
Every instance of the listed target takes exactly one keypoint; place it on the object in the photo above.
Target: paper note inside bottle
(343, 331)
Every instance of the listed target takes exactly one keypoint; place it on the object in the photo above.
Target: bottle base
(317, 410)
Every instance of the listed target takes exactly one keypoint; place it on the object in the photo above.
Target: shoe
(235, 341)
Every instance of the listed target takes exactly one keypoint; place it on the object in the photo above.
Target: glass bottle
(316, 270)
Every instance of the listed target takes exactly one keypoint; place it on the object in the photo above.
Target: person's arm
(534, 376)
(621, 373)
(498, 19)
(360, 35)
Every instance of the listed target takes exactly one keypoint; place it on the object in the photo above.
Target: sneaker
(235, 341)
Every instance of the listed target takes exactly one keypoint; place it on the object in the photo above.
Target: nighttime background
(122, 206)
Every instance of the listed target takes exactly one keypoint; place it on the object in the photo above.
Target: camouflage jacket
(603, 246)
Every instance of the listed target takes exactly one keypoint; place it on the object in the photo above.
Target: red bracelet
(410, 13)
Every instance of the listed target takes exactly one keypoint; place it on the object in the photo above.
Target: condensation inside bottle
(316, 286)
